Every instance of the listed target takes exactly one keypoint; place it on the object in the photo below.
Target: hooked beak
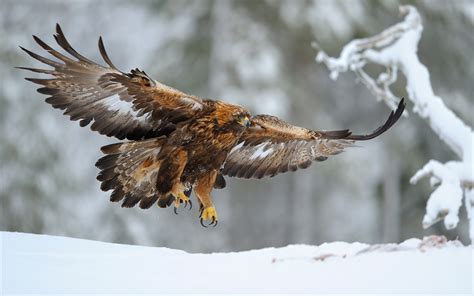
(244, 121)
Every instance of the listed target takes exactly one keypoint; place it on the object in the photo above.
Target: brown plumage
(177, 142)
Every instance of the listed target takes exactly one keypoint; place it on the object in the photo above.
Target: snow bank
(47, 264)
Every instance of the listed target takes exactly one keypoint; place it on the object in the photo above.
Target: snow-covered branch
(396, 49)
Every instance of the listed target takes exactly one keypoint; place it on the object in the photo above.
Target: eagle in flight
(176, 143)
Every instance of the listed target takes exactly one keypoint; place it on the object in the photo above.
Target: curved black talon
(213, 222)
(175, 210)
(202, 223)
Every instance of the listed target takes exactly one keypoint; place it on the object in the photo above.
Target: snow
(397, 48)
(446, 199)
(48, 264)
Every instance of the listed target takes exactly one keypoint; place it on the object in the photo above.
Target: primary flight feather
(177, 143)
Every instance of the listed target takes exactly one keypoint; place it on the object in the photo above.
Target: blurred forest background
(255, 53)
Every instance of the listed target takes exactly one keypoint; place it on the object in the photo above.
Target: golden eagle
(177, 142)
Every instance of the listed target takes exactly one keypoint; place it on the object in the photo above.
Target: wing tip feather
(104, 54)
(393, 117)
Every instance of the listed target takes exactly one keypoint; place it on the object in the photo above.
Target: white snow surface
(45, 264)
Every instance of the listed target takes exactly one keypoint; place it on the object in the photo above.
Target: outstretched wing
(124, 105)
(271, 146)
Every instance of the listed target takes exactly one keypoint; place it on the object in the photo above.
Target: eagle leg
(209, 213)
(182, 198)
(203, 189)
(169, 180)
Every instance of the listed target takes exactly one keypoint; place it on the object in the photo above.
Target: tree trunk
(391, 201)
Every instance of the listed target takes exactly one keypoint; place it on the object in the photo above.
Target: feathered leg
(168, 183)
(203, 189)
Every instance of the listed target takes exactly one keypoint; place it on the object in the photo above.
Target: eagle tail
(130, 169)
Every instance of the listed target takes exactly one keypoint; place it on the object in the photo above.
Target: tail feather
(130, 169)
(148, 202)
(220, 182)
(165, 200)
(117, 194)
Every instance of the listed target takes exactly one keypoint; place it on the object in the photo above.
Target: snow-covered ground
(47, 264)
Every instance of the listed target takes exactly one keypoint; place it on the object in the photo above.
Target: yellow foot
(209, 213)
(182, 198)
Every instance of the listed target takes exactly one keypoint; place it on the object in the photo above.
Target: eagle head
(232, 115)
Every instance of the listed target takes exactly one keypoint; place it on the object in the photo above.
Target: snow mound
(47, 264)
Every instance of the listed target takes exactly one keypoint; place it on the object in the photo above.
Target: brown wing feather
(124, 105)
(272, 146)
